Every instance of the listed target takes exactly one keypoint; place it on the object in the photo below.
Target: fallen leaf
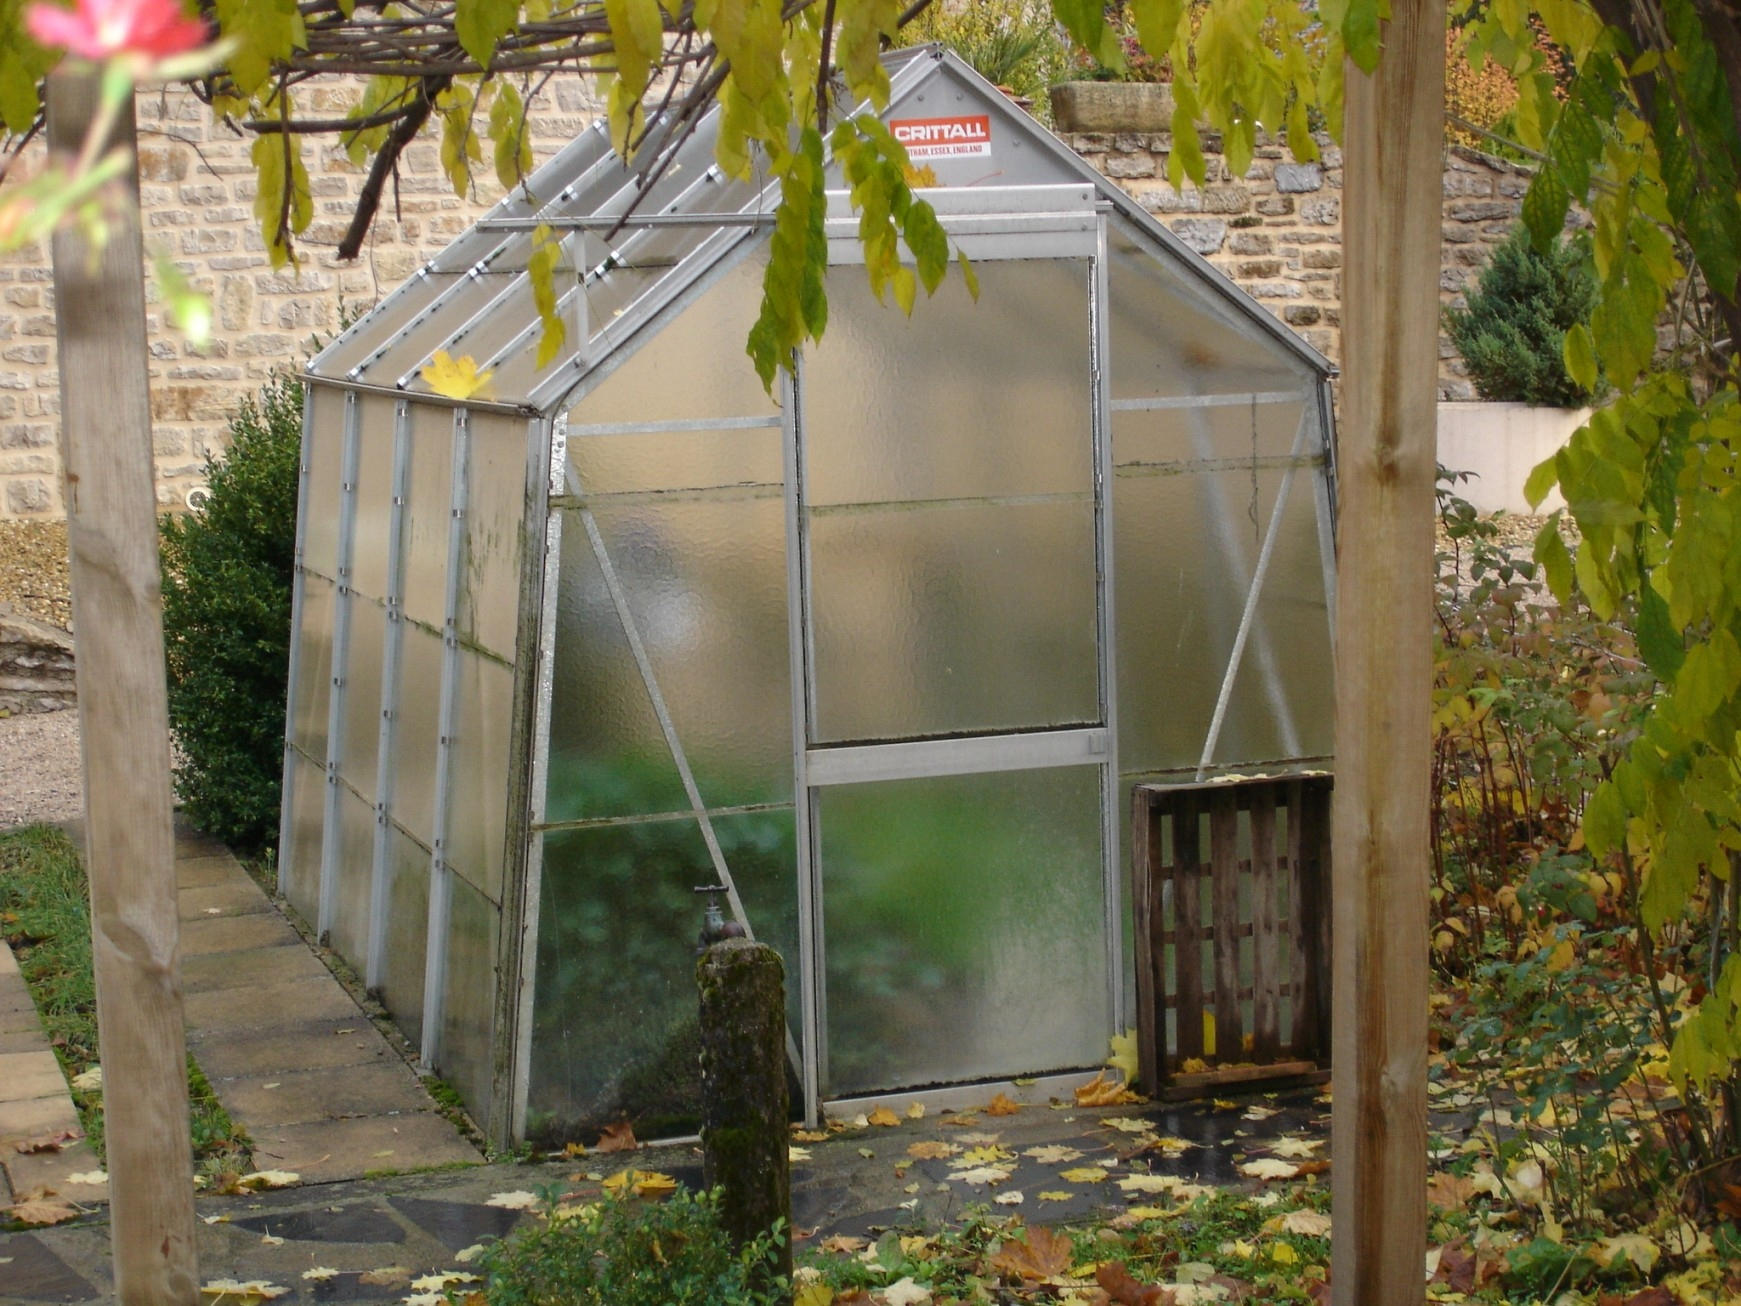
(649, 1184)
(88, 1177)
(1083, 1174)
(1001, 1106)
(320, 1273)
(797, 1154)
(1124, 1055)
(39, 1209)
(466, 1255)
(990, 1154)
(1172, 1146)
(814, 1293)
(904, 1292)
(1127, 1124)
(1296, 1148)
(810, 1135)
(931, 1151)
(440, 1279)
(519, 1200)
(1119, 1285)
(1639, 1250)
(867, 1154)
(619, 1137)
(1258, 1113)
(269, 1179)
(387, 1276)
(1308, 1224)
(1652, 1297)
(1053, 1154)
(1041, 1256)
(843, 1242)
(1056, 1197)
(1268, 1168)
(1101, 1091)
(985, 1174)
(916, 1111)
(1163, 1183)
(88, 1081)
(234, 1293)
(883, 1118)
(980, 1139)
(49, 1142)
(271, 1240)
(1011, 1198)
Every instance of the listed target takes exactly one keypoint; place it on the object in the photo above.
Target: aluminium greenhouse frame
(696, 228)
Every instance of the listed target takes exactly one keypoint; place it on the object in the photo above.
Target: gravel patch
(41, 775)
(33, 570)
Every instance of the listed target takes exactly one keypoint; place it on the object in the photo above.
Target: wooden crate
(1187, 842)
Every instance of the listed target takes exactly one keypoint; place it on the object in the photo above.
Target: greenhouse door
(959, 893)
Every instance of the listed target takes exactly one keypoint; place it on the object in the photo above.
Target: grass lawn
(45, 915)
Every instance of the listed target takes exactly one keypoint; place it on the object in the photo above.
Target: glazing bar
(288, 789)
(341, 644)
(1252, 595)
(612, 221)
(1212, 401)
(921, 758)
(771, 422)
(375, 965)
(809, 885)
(1324, 493)
(1111, 800)
(440, 876)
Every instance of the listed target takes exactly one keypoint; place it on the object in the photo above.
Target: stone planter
(1501, 444)
(1106, 108)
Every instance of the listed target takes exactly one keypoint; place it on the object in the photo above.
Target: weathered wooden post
(744, 1103)
(1393, 147)
(124, 724)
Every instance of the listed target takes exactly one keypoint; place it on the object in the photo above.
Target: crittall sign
(945, 138)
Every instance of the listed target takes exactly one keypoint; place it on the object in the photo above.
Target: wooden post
(1393, 149)
(124, 724)
(744, 1103)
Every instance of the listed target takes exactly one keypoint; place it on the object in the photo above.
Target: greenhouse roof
(624, 272)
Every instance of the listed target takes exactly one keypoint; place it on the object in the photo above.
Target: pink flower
(101, 29)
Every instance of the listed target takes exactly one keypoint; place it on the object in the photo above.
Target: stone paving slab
(378, 1087)
(25, 1075)
(326, 1150)
(292, 1046)
(244, 1007)
(34, 1099)
(252, 968)
(231, 899)
(221, 934)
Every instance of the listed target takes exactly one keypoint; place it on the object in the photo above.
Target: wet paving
(368, 1239)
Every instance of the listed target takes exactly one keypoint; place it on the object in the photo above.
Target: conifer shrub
(1513, 333)
(227, 569)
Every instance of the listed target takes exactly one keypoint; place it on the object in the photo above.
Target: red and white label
(945, 138)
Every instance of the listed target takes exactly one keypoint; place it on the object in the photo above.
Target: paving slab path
(292, 1057)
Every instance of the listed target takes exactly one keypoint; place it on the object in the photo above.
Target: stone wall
(1276, 231)
(36, 665)
(197, 191)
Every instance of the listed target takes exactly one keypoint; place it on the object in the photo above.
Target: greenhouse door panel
(956, 745)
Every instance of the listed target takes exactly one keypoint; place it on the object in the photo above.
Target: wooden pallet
(1187, 841)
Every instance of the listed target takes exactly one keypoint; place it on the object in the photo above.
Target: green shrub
(1513, 333)
(226, 615)
(630, 1252)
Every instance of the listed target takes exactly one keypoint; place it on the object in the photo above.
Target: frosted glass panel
(407, 932)
(299, 877)
(313, 667)
(676, 460)
(354, 867)
(942, 620)
(607, 755)
(615, 1007)
(1170, 336)
(477, 812)
(695, 367)
(362, 742)
(959, 400)
(1186, 549)
(469, 998)
(428, 509)
(705, 583)
(323, 452)
(370, 541)
(415, 733)
(489, 600)
(964, 925)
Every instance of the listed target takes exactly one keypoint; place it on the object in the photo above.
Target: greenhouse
(881, 653)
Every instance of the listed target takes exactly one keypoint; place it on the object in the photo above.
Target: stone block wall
(1276, 231)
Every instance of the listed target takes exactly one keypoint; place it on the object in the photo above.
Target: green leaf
(1659, 640)
(512, 140)
(1555, 558)
(1542, 479)
(1580, 356)
(969, 277)
(1545, 207)
(479, 24)
(1604, 820)
(541, 272)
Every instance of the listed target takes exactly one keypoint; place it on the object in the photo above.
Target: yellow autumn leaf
(1269, 1168)
(884, 1118)
(642, 1183)
(1283, 1254)
(814, 1294)
(916, 1111)
(457, 378)
(1124, 1055)
(1083, 1174)
(1056, 1196)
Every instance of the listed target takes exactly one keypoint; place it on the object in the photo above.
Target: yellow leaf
(814, 1294)
(1001, 1106)
(884, 1118)
(642, 1183)
(1124, 1055)
(1056, 1197)
(1083, 1174)
(1283, 1254)
(1269, 1168)
(457, 378)
(916, 1111)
